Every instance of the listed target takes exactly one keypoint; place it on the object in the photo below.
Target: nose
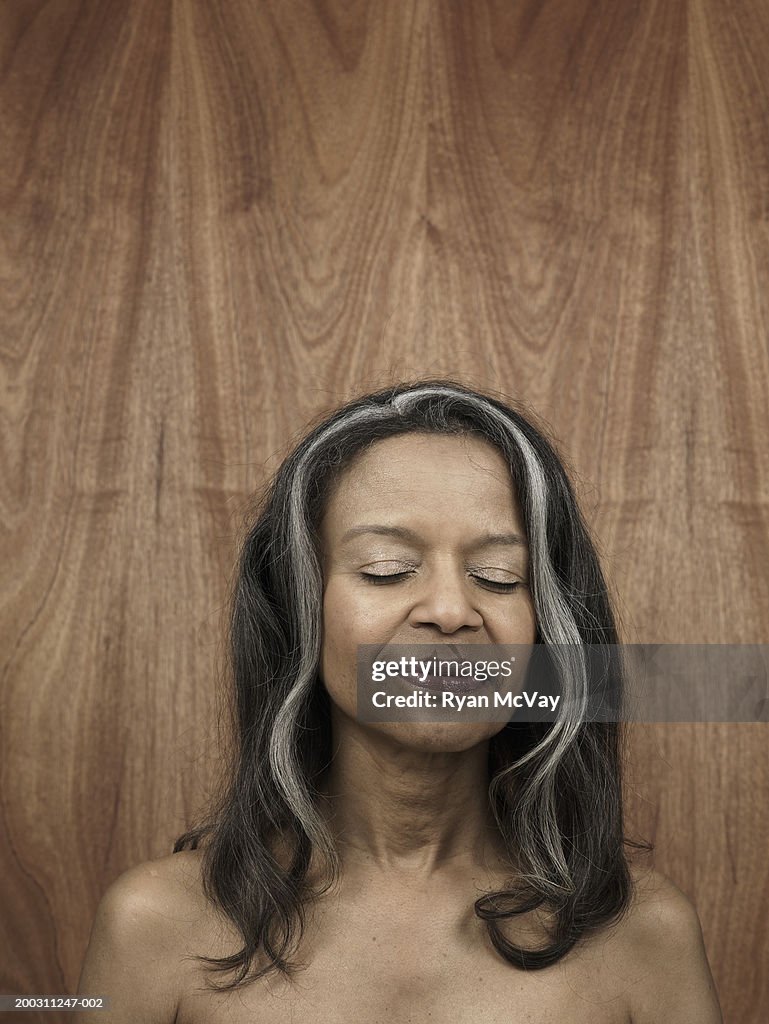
(445, 600)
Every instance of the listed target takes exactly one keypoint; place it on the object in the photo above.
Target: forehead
(425, 474)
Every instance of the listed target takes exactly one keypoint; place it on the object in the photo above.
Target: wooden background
(222, 219)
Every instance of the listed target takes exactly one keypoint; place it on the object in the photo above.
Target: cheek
(338, 662)
(343, 621)
(357, 613)
(527, 624)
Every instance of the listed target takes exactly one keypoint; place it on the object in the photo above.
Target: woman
(396, 871)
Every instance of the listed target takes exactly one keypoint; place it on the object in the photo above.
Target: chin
(439, 737)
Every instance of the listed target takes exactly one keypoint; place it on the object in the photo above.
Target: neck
(423, 812)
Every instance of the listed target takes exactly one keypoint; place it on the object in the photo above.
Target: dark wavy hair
(555, 787)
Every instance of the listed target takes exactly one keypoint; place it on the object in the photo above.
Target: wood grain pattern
(221, 220)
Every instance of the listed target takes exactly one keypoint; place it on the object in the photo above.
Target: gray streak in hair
(555, 788)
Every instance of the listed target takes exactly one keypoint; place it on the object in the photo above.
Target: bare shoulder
(163, 896)
(174, 880)
(663, 955)
(141, 927)
(661, 913)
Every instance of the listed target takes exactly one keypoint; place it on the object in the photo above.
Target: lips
(453, 684)
(437, 654)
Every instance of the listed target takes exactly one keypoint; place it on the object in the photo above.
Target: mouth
(448, 683)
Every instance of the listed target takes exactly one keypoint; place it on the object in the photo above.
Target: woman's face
(455, 586)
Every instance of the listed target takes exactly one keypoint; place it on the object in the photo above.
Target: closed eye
(378, 579)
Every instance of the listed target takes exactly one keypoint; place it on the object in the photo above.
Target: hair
(555, 787)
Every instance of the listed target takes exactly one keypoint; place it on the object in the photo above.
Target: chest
(388, 975)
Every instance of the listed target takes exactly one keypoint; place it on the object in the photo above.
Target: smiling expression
(422, 542)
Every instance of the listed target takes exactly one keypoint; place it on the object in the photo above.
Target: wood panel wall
(222, 219)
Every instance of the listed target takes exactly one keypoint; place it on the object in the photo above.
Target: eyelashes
(379, 579)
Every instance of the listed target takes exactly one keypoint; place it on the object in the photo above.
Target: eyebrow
(485, 540)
